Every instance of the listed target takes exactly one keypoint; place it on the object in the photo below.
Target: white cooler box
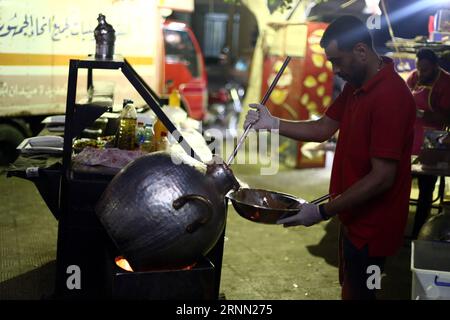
(430, 265)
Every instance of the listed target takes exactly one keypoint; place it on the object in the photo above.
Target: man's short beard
(358, 74)
(358, 77)
(430, 79)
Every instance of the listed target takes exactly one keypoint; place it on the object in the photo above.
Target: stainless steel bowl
(265, 206)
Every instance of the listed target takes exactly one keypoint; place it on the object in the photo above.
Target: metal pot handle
(181, 201)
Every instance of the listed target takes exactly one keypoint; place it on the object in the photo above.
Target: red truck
(184, 67)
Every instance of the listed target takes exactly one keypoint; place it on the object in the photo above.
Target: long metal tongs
(263, 102)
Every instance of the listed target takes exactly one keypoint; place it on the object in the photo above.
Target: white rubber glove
(261, 118)
(308, 215)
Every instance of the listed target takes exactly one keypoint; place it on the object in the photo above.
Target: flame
(122, 263)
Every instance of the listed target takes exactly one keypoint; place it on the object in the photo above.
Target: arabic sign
(29, 26)
(67, 27)
(39, 37)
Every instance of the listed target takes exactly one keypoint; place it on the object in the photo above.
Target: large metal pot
(437, 228)
(162, 214)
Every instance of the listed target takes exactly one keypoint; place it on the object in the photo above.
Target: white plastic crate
(430, 266)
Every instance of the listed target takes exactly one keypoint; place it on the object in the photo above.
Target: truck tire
(10, 138)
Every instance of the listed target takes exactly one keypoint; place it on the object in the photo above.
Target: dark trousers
(353, 270)
(426, 188)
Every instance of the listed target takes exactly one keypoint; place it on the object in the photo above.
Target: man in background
(430, 86)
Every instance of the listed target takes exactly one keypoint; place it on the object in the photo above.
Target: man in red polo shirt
(371, 178)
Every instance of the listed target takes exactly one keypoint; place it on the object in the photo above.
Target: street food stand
(71, 192)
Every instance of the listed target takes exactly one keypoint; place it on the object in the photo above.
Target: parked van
(39, 37)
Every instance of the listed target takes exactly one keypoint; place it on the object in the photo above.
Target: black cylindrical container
(105, 36)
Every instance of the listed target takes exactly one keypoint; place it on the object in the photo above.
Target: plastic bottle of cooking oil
(174, 99)
(126, 134)
(163, 143)
(140, 135)
(174, 111)
(158, 130)
(147, 146)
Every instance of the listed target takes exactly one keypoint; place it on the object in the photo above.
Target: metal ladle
(262, 205)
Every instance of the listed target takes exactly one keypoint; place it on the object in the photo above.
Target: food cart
(71, 191)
